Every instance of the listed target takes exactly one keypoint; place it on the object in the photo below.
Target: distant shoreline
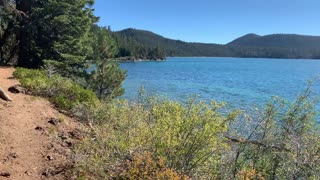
(135, 59)
(315, 59)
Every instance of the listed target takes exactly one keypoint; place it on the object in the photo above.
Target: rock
(50, 158)
(55, 171)
(50, 146)
(53, 121)
(10, 157)
(28, 172)
(17, 89)
(63, 136)
(4, 96)
(13, 155)
(69, 143)
(5, 174)
(76, 134)
(38, 128)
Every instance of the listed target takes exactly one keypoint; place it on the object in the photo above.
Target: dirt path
(32, 146)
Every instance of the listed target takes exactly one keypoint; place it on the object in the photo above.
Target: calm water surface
(241, 82)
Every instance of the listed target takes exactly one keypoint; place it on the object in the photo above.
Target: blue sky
(211, 21)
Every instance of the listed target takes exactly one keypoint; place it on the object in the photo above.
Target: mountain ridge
(278, 40)
(250, 45)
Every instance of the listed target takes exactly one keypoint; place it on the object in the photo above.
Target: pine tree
(8, 43)
(107, 79)
(103, 44)
(55, 30)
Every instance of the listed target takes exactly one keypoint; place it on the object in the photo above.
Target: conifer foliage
(62, 37)
(55, 30)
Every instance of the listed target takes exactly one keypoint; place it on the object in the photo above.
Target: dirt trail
(32, 146)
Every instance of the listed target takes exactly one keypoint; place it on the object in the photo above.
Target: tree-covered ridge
(251, 45)
(171, 47)
(277, 46)
(278, 40)
(130, 48)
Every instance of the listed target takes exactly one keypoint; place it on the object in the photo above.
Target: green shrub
(63, 92)
(193, 140)
(188, 137)
(145, 166)
(281, 142)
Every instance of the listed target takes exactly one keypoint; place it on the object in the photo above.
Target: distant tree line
(271, 46)
(133, 49)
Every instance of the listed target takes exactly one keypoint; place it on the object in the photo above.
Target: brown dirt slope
(35, 139)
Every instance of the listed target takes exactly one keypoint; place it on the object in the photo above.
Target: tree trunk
(4, 96)
(23, 36)
(6, 33)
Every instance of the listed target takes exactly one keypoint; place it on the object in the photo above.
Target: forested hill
(250, 45)
(171, 47)
(278, 40)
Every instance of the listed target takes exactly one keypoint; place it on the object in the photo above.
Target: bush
(145, 166)
(63, 92)
(187, 137)
(195, 140)
(282, 142)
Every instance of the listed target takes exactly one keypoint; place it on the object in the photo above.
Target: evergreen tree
(8, 27)
(103, 44)
(57, 31)
(107, 79)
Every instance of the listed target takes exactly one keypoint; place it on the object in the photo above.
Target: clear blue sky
(211, 21)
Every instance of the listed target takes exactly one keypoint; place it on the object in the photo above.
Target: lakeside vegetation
(151, 138)
(164, 139)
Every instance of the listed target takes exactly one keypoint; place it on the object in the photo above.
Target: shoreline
(135, 59)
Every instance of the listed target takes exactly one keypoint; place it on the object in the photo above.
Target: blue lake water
(241, 82)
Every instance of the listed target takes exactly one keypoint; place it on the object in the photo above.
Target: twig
(258, 143)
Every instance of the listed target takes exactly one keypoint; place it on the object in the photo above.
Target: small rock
(13, 155)
(5, 174)
(63, 136)
(28, 172)
(51, 172)
(17, 89)
(53, 121)
(10, 157)
(69, 143)
(76, 134)
(50, 146)
(38, 128)
(50, 158)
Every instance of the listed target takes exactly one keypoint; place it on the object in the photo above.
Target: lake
(240, 82)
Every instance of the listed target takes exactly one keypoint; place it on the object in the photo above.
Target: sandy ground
(30, 146)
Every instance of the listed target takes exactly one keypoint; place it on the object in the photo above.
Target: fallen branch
(4, 96)
(257, 143)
